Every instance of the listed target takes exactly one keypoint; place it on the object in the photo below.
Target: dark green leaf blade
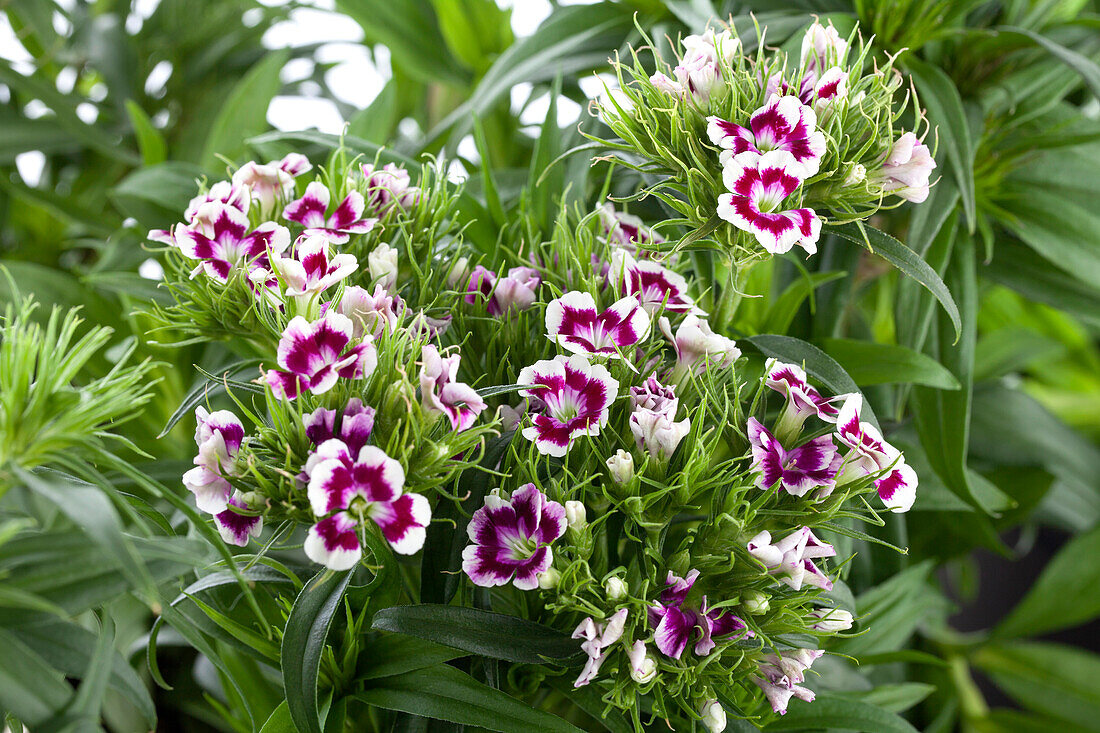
(488, 634)
(304, 642)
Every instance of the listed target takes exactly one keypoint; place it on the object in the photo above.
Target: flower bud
(643, 668)
(549, 579)
(714, 717)
(458, 273)
(575, 515)
(616, 588)
(754, 602)
(856, 175)
(621, 467)
(831, 619)
(382, 263)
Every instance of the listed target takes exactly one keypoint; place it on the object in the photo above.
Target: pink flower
(314, 355)
(387, 187)
(830, 88)
(665, 84)
(223, 192)
(218, 436)
(272, 182)
(797, 471)
(356, 425)
(345, 220)
(366, 484)
(598, 637)
(227, 242)
(759, 185)
(576, 395)
(698, 348)
(784, 123)
(781, 676)
(803, 399)
(653, 420)
(653, 285)
(625, 231)
(371, 313)
(573, 322)
(442, 394)
(907, 168)
(870, 454)
(310, 271)
(822, 46)
(511, 539)
(235, 528)
(792, 557)
(516, 291)
(674, 624)
(700, 71)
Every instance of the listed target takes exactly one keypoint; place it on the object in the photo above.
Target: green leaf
(411, 32)
(829, 711)
(783, 310)
(816, 362)
(280, 721)
(1020, 268)
(304, 643)
(30, 688)
(1053, 679)
(88, 508)
(891, 612)
(591, 701)
(204, 390)
(1083, 65)
(70, 649)
(156, 195)
(150, 142)
(447, 694)
(945, 110)
(484, 633)
(943, 418)
(244, 111)
(904, 259)
(871, 363)
(390, 654)
(1067, 593)
(896, 698)
(442, 556)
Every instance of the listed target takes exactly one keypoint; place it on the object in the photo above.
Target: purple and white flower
(356, 425)
(387, 187)
(273, 182)
(218, 436)
(713, 715)
(791, 558)
(799, 470)
(382, 265)
(576, 395)
(515, 291)
(896, 482)
(784, 123)
(313, 356)
(573, 322)
(654, 285)
(907, 168)
(597, 637)
(228, 242)
(698, 348)
(371, 313)
(511, 539)
(803, 399)
(442, 394)
(781, 676)
(348, 485)
(759, 185)
(700, 70)
(831, 88)
(831, 620)
(675, 625)
(822, 46)
(223, 192)
(643, 667)
(626, 231)
(310, 271)
(653, 419)
(235, 528)
(345, 220)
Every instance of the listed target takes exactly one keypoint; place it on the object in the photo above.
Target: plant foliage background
(116, 605)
